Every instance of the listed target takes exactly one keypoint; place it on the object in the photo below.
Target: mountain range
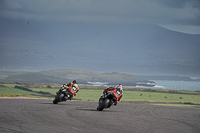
(63, 76)
(132, 48)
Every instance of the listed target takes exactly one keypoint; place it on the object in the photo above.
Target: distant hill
(61, 76)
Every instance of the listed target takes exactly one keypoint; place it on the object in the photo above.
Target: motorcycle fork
(111, 103)
(101, 101)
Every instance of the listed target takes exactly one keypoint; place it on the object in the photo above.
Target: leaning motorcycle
(63, 94)
(107, 99)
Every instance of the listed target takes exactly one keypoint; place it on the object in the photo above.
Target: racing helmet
(74, 81)
(119, 86)
(74, 86)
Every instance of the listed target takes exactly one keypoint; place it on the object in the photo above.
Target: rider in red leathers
(74, 86)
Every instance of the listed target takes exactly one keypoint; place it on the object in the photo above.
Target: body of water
(162, 84)
(176, 85)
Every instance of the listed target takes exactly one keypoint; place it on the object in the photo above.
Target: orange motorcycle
(107, 99)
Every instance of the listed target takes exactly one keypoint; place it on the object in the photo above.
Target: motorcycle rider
(74, 86)
(119, 90)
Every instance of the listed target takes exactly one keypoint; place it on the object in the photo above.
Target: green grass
(160, 97)
(191, 99)
(93, 95)
(52, 91)
(89, 95)
(83, 94)
(12, 90)
(20, 95)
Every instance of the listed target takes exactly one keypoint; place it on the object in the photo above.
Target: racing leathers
(119, 91)
(74, 86)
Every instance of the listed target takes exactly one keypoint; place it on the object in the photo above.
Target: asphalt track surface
(42, 116)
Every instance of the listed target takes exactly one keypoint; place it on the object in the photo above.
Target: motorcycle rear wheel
(103, 105)
(58, 98)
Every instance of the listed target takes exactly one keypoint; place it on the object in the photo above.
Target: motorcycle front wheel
(103, 105)
(58, 98)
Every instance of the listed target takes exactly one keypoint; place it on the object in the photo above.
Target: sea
(174, 85)
(177, 85)
(163, 84)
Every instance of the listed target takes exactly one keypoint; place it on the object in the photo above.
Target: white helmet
(119, 86)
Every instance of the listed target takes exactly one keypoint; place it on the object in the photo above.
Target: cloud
(162, 12)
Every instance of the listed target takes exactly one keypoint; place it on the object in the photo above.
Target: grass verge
(91, 93)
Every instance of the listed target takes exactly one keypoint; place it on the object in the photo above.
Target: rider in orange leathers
(119, 91)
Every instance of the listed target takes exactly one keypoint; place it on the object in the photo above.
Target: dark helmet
(74, 81)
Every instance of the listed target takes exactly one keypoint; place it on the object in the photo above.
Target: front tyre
(103, 105)
(58, 98)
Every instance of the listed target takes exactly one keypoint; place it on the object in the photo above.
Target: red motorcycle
(64, 94)
(107, 99)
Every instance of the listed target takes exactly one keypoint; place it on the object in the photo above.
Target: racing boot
(115, 103)
(71, 98)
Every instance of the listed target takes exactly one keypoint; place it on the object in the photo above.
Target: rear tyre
(103, 105)
(58, 98)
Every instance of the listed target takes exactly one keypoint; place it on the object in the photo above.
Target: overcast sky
(178, 15)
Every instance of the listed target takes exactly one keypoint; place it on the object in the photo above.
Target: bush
(48, 86)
